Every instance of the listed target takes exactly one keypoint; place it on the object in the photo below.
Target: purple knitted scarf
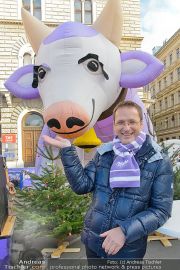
(125, 171)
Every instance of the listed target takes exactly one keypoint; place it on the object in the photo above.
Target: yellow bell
(88, 140)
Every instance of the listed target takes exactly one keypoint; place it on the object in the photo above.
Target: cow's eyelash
(94, 56)
(35, 74)
(88, 56)
(46, 67)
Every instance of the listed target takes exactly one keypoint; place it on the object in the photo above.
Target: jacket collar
(150, 150)
(147, 149)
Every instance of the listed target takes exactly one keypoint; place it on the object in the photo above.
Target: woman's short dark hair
(131, 104)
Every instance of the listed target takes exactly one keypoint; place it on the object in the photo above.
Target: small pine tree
(52, 203)
(177, 184)
(174, 158)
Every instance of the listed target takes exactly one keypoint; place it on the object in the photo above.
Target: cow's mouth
(72, 132)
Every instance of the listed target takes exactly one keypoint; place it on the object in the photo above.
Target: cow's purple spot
(70, 29)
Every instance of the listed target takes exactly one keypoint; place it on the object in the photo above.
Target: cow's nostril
(53, 123)
(73, 121)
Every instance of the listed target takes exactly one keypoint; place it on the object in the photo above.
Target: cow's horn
(36, 31)
(109, 23)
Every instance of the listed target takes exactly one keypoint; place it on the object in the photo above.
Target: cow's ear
(138, 69)
(20, 83)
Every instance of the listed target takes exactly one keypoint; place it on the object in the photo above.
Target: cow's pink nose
(66, 118)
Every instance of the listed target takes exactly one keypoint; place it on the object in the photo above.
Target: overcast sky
(160, 19)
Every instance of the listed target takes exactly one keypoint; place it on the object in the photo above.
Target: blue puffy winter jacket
(138, 211)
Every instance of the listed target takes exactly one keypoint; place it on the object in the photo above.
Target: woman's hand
(57, 141)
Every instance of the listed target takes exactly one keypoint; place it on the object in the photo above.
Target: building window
(83, 11)
(177, 53)
(33, 120)
(159, 85)
(166, 123)
(87, 12)
(27, 5)
(160, 105)
(34, 7)
(26, 55)
(178, 73)
(172, 121)
(164, 63)
(78, 11)
(165, 82)
(170, 59)
(27, 59)
(166, 103)
(171, 77)
(172, 100)
(153, 92)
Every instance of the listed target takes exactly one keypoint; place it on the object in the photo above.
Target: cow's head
(79, 72)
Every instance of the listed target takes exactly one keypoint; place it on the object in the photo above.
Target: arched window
(33, 119)
(83, 11)
(27, 60)
(26, 55)
(88, 12)
(34, 7)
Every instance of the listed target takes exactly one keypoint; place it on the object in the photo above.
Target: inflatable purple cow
(80, 74)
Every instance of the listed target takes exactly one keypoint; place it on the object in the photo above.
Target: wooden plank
(161, 237)
(57, 253)
(73, 250)
(166, 242)
(67, 250)
(155, 237)
(8, 227)
(47, 250)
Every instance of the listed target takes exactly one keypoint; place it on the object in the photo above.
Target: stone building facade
(165, 90)
(21, 120)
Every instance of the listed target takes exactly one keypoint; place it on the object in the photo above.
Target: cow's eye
(93, 65)
(41, 73)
